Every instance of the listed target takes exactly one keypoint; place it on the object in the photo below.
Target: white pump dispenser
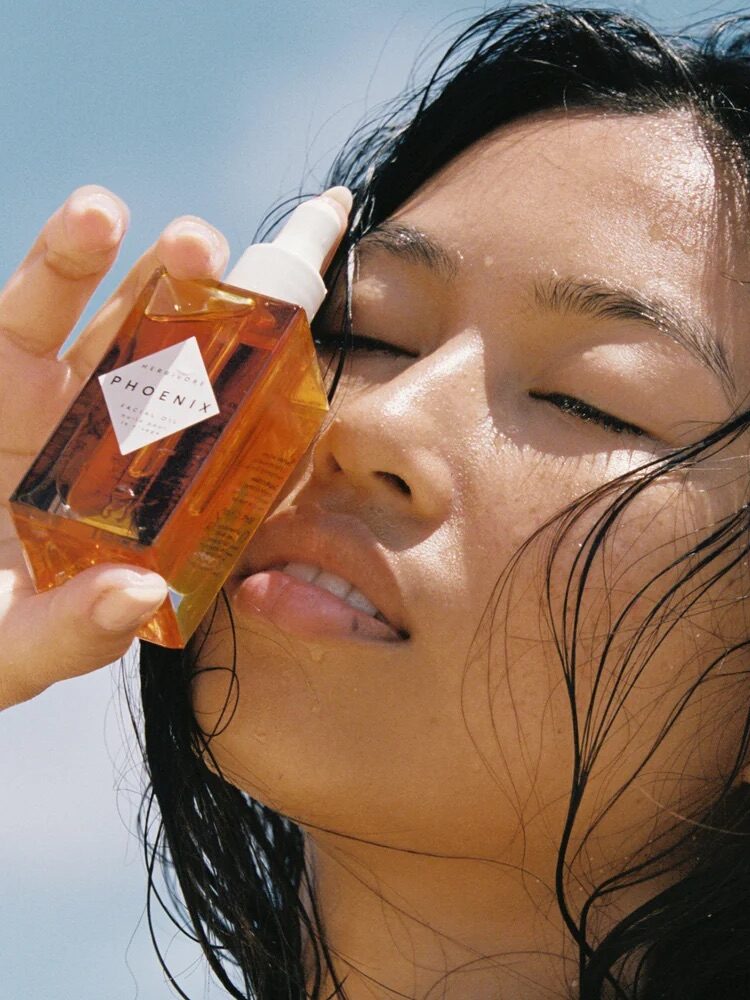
(288, 268)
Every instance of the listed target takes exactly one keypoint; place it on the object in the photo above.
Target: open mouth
(304, 599)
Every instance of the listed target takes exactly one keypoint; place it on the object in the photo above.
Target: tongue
(301, 607)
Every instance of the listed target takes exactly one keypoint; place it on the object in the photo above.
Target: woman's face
(585, 256)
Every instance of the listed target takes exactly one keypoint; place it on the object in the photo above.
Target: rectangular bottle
(184, 504)
(183, 436)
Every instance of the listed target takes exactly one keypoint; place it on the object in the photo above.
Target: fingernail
(204, 235)
(96, 218)
(128, 607)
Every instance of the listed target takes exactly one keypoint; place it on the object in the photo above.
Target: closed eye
(586, 412)
(357, 342)
(569, 404)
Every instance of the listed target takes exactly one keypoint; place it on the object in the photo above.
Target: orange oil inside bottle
(185, 505)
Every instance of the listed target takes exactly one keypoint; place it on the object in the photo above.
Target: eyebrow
(412, 245)
(604, 301)
(595, 298)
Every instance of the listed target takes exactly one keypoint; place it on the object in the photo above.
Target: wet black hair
(231, 868)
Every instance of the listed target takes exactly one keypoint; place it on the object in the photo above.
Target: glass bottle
(183, 436)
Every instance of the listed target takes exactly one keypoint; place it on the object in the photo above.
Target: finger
(189, 247)
(43, 299)
(84, 624)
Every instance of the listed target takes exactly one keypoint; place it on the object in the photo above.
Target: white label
(158, 395)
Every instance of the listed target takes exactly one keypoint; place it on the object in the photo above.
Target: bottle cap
(288, 268)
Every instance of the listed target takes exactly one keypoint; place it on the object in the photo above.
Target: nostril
(401, 485)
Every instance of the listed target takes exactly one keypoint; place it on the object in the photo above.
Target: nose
(381, 450)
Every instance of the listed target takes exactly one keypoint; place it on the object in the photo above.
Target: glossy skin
(434, 750)
(434, 817)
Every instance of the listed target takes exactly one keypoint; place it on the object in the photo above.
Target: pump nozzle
(288, 267)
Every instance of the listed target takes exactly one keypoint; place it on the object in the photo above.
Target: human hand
(90, 620)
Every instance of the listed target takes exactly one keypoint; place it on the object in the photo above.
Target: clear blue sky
(218, 109)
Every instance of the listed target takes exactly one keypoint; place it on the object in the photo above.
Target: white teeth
(334, 584)
(303, 571)
(358, 600)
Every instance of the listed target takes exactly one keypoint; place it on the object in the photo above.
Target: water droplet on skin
(316, 653)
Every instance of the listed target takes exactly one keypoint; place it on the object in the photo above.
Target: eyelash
(357, 342)
(569, 404)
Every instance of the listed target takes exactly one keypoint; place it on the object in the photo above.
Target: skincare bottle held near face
(183, 436)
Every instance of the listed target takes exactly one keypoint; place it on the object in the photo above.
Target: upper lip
(337, 543)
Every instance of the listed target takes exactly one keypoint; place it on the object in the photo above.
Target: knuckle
(17, 686)
(75, 266)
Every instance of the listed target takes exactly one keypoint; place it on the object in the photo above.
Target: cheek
(622, 654)
(635, 648)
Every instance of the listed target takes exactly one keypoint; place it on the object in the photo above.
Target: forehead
(599, 179)
(637, 200)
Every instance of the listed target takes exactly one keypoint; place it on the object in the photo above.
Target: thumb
(85, 623)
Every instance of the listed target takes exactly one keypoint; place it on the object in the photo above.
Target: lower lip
(306, 610)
